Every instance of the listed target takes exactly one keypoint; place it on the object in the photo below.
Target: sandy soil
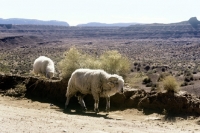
(25, 115)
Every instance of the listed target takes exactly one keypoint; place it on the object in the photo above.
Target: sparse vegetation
(163, 76)
(147, 81)
(18, 91)
(176, 55)
(73, 59)
(114, 62)
(151, 59)
(135, 79)
(4, 68)
(170, 84)
(110, 61)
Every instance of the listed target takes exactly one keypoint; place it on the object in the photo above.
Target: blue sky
(106, 11)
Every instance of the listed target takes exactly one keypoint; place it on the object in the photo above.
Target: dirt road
(29, 116)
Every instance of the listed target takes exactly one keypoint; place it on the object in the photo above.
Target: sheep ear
(112, 79)
(111, 84)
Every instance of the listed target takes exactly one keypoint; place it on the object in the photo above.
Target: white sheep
(95, 82)
(44, 66)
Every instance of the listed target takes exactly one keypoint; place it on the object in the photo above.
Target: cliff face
(188, 29)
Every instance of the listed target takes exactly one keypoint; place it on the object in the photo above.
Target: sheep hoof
(66, 110)
(84, 109)
(65, 107)
(107, 110)
(96, 110)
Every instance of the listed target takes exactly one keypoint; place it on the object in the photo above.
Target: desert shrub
(163, 69)
(188, 78)
(162, 76)
(179, 73)
(146, 80)
(19, 90)
(4, 68)
(147, 68)
(138, 69)
(74, 59)
(110, 61)
(184, 84)
(170, 84)
(194, 72)
(114, 62)
(70, 62)
(187, 73)
(135, 63)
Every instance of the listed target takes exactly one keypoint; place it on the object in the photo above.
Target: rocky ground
(25, 115)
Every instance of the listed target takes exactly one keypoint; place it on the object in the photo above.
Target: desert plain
(154, 50)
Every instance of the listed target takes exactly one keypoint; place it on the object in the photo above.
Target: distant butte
(194, 22)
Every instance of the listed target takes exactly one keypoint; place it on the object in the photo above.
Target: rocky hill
(96, 24)
(19, 21)
(190, 28)
(184, 29)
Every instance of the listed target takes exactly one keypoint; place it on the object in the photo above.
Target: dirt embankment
(43, 111)
(54, 91)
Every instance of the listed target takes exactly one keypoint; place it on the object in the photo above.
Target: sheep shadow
(75, 109)
(87, 113)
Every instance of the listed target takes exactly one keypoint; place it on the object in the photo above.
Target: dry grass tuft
(170, 84)
(114, 62)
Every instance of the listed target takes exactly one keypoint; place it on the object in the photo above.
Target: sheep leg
(82, 103)
(67, 101)
(107, 104)
(47, 75)
(96, 105)
(96, 101)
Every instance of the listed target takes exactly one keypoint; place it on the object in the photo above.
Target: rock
(194, 22)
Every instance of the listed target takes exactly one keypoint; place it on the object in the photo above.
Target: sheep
(96, 82)
(44, 66)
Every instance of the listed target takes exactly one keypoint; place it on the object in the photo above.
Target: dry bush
(114, 62)
(163, 76)
(73, 59)
(19, 90)
(170, 84)
(111, 61)
(4, 68)
(147, 81)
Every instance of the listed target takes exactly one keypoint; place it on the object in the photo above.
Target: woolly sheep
(44, 66)
(96, 82)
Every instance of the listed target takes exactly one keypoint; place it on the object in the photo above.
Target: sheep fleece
(88, 81)
(44, 65)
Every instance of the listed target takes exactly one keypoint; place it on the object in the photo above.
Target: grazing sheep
(95, 82)
(44, 66)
